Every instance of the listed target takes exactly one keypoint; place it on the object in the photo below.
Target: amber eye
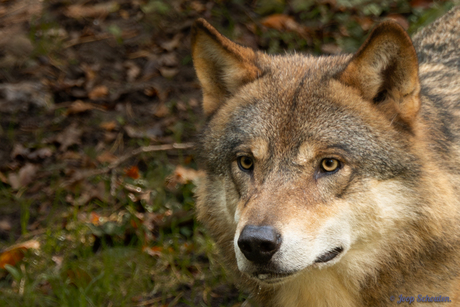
(330, 165)
(245, 163)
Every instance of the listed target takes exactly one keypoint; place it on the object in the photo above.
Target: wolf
(335, 180)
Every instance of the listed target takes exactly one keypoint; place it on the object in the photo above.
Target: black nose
(259, 243)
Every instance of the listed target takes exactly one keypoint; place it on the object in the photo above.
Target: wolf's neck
(320, 288)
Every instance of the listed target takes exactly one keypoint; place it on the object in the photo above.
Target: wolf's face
(307, 155)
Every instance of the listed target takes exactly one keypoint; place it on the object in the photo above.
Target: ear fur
(385, 71)
(222, 66)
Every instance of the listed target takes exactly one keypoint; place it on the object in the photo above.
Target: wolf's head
(309, 160)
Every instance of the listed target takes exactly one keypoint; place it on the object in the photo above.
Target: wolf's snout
(259, 243)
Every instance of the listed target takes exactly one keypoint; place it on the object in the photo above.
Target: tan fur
(392, 206)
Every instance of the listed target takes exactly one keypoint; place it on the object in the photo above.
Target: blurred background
(99, 108)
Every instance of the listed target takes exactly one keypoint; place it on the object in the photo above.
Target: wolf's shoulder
(439, 42)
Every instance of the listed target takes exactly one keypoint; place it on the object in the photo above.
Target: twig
(135, 152)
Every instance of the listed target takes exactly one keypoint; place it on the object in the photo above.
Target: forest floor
(99, 108)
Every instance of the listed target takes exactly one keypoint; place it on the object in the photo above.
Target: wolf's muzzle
(259, 243)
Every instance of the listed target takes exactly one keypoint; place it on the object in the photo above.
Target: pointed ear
(385, 71)
(222, 66)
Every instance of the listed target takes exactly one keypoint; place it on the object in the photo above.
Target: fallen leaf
(5, 225)
(14, 97)
(79, 106)
(90, 192)
(168, 73)
(173, 43)
(161, 110)
(105, 157)
(70, 136)
(183, 175)
(25, 176)
(153, 251)
(365, 22)
(78, 11)
(95, 218)
(109, 126)
(19, 151)
(71, 155)
(400, 19)
(15, 253)
(423, 4)
(132, 71)
(3, 178)
(132, 172)
(98, 92)
(41, 153)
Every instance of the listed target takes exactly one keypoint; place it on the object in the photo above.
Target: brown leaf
(366, 23)
(3, 178)
(423, 4)
(5, 225)
(19, 150)
(105, 157)
(71, 155)
(161, 110)
(70, 136)
(95, 218)
(132, 71)
(172, 44)
(168, 73)
(78, 11)
(15, 253)
(400, 19)
(25, 176)
(109, 126)
(98, 92)
(281, 22)
(132, 172)
(79, 106)
(183, 175)
(154, 251)
(41, 153)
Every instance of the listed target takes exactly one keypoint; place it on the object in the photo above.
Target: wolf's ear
(386, 68)
(221, 65)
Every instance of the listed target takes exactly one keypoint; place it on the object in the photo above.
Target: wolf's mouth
(329, 255)
(272, 278)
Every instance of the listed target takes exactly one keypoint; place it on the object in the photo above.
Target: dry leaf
(99, 10)
(281, 22)
(95, 218)
(19, 150)
(423, 4)
(41, 153)
(105, 157)
(172, 44)
(132, 172)
(153, 251)
(5, 225)
(79, 106)
(25, 176)
(90, 192)
(71, 155)
(15, 253)
(400, 19)
(132, 70)
(98, 92)
(161, 110)
(109, 126)
(70, 136)
(168, 73)
(3, 178)
(183, 175)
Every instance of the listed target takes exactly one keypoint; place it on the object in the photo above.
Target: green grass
(67, 270)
